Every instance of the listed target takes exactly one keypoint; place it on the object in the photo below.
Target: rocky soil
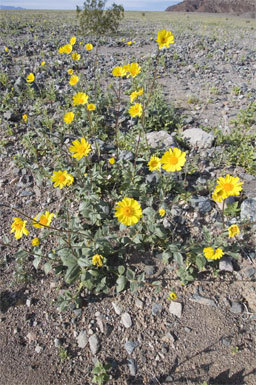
(208, 333)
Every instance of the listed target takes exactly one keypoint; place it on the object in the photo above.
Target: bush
(96, 20)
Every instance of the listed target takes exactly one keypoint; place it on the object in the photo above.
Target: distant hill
(215, 6)
(9, 7)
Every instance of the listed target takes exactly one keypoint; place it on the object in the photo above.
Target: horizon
(129, 5)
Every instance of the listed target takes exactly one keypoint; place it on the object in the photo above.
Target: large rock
(198, 138)
(248, 209)
(160, 139)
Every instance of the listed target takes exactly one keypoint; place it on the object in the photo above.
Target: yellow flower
(161, 212)
(135, 110)
(129, 43)
(88, 47)
(80, 149)
(218, 195)
(68, 117)
(233, 230)
(164, 38)
(229, 185)
(209, 253)
(91, 107)
(172, 296)
(67, 48)
(42, 63)
(62, 178)
(35, 242)
(151, 38)
(61, 49)
(30, 78)
(154, 163)
(118, 72)
(76, 56)
(80, 98)
(6, 49)
(128, 211)
(97, 260)
(173, 159)
(134, 69)
(73, 80)
(72, 40)
(112, 161)
(43, 220)
(135, 94)
(25, 118)
(19, 226)
(70, 71)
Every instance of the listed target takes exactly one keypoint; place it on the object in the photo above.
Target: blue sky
(129, 5)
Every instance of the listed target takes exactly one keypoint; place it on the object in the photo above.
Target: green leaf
(121, 269)
(149, 212)
(160, 232)
(83, 262)
(47, 267)
(134, 286)
(36, 261)
(121, 283)
(72, 274)
(130, 275)
(178, 258)
(69, 261)
(200, 262)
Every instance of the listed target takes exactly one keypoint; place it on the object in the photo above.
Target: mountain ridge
(214, 6)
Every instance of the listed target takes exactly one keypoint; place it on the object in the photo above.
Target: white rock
(198, 137)
(175, 308)
(126, 320)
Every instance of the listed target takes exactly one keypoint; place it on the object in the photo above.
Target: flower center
(128, 211)
(18, 226)
(153, 163)
(43, 221)
(173, 160)
(62, 178)
(228, 187)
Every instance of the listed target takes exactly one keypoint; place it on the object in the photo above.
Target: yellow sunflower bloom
(128, 211)
(35, 242)
(67, 48)
(80, 98)
(72, 40)
(173, 159)
(43, 220)
(118, 72)
(218, 195)
(161, 212)
(133, 70)
(70, 71)
(112, 161)
(62, 178)
(209, 253)
(73, 80)
(19, 226)
(134, 95)
(233, 230)
(80, 149)
(97, 260)
(68, 117)
(91, 107)
(135, 110)
(76, 56)
(230, 186)
(25, 118)
(154, 163)
(164, 38)
(30, 78)
(88, 47)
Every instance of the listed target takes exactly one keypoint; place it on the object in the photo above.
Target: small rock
(38, 349)
(156, 308)
(225, 264)
(203, 300)
(28, 302)
(236, 308)
(82, 339)
(160, 139)
(57, 342)
(202, 204)
(226, 341)
(130, 346)
(249, 272)
(248, 209)
(168, 338)
(94, 343)
(126, 320)
(175, 308)
(118, 309)
(132, 366)
(149, 270)
(138, 303)
(100, 323)
(31, 337)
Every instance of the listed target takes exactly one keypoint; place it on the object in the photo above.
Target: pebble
(94, 343)
(126, 320)
(82, 339)
(156, 309)
(138, 303)
(236, 308)
(249, 272)
(38, 349)
(149, 270)
(175, 308)
(226, 341)
(203, 300)
(130, 346)
(225, 264)
(132, 366)
(117, 308)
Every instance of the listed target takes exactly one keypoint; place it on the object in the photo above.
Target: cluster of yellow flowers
(172, 160)
(19, 226)
(226, 187)
(132, 69)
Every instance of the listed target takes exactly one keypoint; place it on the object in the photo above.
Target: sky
(129, 5)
